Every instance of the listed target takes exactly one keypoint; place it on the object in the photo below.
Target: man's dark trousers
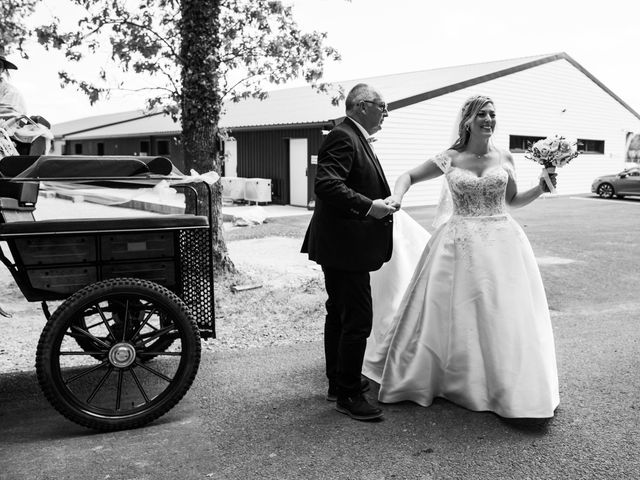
(347, 327)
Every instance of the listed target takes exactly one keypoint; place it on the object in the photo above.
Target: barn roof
(305, 106)
(150, 124)
(89, 123)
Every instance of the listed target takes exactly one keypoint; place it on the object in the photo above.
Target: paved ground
(145, 201)
(260, 413)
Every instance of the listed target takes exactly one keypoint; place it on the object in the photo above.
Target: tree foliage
(13, 32)
(198, 55)
(259, 43)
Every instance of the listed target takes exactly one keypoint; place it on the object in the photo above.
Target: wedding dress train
(473, 325)
(389, 283)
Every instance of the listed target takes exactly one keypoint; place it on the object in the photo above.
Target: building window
(163, 147)
(100, 148)
(520, 143)
(144, 148)
(77, 149)
(590, 146)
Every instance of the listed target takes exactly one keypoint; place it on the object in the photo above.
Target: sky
(380, 37)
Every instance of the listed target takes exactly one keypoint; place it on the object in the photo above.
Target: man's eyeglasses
(382, 106)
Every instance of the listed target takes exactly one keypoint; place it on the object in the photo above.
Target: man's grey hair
(357, 94)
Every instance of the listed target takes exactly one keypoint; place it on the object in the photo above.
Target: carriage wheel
(97, 330)
(110, 384)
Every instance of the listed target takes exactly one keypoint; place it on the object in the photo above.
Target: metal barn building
(279, 138)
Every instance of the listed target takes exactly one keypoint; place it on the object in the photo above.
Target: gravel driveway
(253, 256)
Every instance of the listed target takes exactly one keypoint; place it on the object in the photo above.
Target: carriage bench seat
(109, 225)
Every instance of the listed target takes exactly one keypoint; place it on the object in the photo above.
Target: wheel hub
(122, 355)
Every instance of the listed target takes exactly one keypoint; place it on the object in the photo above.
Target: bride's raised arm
(431, 168)
(517, 199)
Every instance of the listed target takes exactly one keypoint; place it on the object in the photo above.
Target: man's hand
(379, 209)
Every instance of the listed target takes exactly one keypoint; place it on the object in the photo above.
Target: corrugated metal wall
(265, 154)
(129, 146)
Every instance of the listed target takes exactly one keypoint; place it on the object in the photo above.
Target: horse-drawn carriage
(123, 346)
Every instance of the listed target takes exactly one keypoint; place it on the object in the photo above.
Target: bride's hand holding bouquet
(552, 152)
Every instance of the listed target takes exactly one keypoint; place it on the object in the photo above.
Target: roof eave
(405, 102)
(283, 126)
(600, 84)
(124, 135)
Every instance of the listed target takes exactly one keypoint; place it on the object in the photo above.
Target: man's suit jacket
(348, 179)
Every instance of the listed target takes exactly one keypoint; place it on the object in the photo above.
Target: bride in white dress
(473, 325)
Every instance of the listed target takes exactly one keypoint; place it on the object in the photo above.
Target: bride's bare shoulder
(446, 154)
(450, 156)
(451, 153)
(506, 156)
(442, 160)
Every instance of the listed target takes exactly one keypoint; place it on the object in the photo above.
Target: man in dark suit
(350, 235)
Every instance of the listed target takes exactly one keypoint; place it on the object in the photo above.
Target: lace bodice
(474, 196)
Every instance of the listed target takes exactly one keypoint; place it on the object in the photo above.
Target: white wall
(530, 102)
(58, 147)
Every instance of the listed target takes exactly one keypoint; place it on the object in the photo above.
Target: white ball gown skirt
(473, 325)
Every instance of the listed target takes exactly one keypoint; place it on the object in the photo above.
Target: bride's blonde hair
(467, 113)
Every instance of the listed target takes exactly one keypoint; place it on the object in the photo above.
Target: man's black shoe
(358, 408)
(332, 393)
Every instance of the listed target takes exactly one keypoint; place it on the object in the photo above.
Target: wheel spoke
(158, 334)
(89, 327)
(100, 384)
(142, 325)
(154, 354)
(85, 372)
(119, 390)
(105, 321)
(83, 353)
(155, 372)
(139, 385)
(124, 321)
(77, 332)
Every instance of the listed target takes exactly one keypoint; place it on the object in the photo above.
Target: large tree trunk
(201, 107)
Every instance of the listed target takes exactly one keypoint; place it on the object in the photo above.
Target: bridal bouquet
(552, 152)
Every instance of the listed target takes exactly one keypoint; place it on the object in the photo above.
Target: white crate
(257, 190)
(233, 188)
